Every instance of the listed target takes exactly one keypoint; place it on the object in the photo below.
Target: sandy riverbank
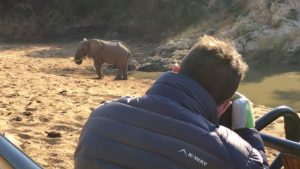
(43, 91)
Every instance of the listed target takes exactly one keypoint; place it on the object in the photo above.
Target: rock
(17, 118)
(292, 52)
(53, 134)
(31, 109)
(63, 92)
(211, 31)
(27, 113)
(168, 49)
(293, 47)
(268, 32)
(148, 67)
(133, 65)
(156, 64)
(178, 55)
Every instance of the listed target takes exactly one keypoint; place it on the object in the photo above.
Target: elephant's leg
(119, 74)
(98, 65)
(125, 73)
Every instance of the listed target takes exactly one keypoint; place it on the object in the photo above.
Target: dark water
(273, 86)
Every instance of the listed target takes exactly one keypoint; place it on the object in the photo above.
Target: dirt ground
(46, 99)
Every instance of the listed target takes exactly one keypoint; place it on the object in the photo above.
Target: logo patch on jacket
(192, 156)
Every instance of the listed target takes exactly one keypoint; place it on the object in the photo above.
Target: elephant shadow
(84, 72)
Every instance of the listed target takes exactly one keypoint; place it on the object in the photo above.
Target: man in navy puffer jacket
(175, 125)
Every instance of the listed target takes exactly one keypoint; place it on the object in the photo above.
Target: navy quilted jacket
(174, 126)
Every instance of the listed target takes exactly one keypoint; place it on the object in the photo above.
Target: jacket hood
(186, 92)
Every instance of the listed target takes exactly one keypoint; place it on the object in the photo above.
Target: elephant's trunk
(78, 61)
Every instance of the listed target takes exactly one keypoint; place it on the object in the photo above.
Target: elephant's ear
(84, 39)
(87, 44)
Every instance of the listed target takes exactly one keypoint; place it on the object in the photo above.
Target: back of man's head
(216, 66)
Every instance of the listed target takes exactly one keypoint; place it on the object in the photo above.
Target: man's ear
(223, 107)
(175, 68)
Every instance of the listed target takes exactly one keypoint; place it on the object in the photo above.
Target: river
(270, 86)
(273, 86)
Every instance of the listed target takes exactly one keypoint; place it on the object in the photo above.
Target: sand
(46, 99)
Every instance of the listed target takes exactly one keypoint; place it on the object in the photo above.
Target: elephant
(101, 51)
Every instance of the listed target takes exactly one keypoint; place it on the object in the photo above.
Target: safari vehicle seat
(12, 157)
(289, 148)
